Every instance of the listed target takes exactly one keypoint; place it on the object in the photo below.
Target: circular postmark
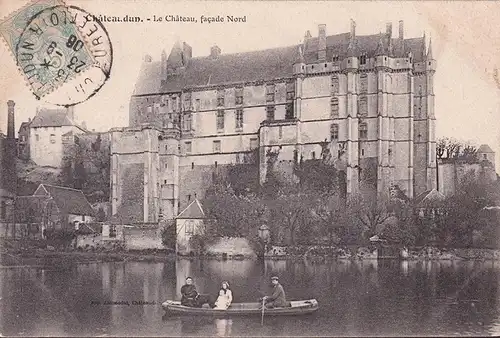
(65, 54)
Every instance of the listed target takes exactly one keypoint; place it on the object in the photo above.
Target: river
(383, 298)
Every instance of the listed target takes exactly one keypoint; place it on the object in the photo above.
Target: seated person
(191, 297)
(225, 297)
(277, 299)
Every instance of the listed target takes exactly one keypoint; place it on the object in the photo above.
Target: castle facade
(369, 97)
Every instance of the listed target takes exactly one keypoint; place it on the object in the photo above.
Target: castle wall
(451, 174)
(398, 147)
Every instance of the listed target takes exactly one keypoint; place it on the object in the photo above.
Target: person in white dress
(225, 297)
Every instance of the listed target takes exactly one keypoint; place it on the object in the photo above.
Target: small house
(65, 207)
(188, 223)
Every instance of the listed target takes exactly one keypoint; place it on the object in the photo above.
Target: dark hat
(274, 278)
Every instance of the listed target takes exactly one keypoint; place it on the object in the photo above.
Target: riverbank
(47, 257)
(13, 255)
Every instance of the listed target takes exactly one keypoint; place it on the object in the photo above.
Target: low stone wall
(426, 253)
(97, 242)
(231, 247)
(281, 252)
(142, 238)
(432, 253)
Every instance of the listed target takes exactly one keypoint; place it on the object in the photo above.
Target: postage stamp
(63, 54)
(86, 84)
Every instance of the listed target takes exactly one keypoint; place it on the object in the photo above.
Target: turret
(351, 48)
(430, 64)
(299, 63)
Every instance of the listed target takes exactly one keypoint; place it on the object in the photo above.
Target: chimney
(322, 42)
(148, 58)
(353, 29)
(307, 36)
(401, 30)
(215, 52)
(388, 29)
(10, 120)
(84, 125)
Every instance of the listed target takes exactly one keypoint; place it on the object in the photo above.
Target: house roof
(51, 118)
(484, 148)
(265, 64)
(31, 208)
(68, 200)
(429, 197)
(24, 125)
(193, 211)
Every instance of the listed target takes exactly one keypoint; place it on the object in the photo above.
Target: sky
(465, 43)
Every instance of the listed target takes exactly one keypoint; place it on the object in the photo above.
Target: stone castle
(369, 97)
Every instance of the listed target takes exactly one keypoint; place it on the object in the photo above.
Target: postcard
(249, 168)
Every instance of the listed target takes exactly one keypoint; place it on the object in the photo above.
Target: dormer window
(220, 98)
(239, 96)
(362, 59)
(270, 90)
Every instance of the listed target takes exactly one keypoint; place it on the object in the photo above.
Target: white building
(46, 135)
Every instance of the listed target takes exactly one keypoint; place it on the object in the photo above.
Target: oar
(262, 318)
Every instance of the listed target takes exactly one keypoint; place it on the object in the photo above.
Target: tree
(331, 210)
(404, 229)
(463, 208)
(371, 213)
(450, 148)
(289, 210)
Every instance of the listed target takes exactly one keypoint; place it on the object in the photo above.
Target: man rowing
(278, 298)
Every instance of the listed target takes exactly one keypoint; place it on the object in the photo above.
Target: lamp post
(264, 235)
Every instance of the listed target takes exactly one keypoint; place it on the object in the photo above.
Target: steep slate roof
(265, 64)
(29, 208)
(192, 211)
(51, 118)
(149, 78)
(69, 201)
(232, 68)
(484, 148)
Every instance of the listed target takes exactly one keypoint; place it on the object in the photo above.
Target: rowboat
(296, 308)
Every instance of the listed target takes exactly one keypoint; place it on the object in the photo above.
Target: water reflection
(223, 327)
(356, 298)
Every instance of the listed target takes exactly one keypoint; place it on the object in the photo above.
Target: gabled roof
(51, 118)
(265, 64)
(484, 148)
(68, 200)
(429, 197)
(24, 125)
(192, 211)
